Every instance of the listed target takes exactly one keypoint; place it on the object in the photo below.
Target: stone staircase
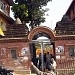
(20, 70)
(23, 72)
(17, 67)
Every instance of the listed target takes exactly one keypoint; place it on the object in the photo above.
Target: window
(2, 6)
(13, 54)
(0, 3)
(71, 51)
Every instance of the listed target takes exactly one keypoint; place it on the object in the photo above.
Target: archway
(41, 32)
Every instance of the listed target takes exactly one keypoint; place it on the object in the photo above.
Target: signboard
(25, 58)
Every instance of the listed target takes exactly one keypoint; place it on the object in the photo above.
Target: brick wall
(6, 59)
(65, 63)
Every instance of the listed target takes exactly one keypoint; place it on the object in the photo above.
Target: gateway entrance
(41, 46)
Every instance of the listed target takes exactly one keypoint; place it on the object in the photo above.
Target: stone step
(25, 74)
(22, 72)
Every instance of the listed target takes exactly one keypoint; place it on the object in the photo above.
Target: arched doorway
(39, 30)
(46, 44)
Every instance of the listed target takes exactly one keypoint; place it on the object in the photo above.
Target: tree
(30, 11)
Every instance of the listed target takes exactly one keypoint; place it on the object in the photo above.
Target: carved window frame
(71, 51)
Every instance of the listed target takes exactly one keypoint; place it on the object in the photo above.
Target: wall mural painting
(3, 51)
(60, 49)
(25, 51)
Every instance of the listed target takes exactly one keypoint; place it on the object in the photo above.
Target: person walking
(48, 61)
(53, 65)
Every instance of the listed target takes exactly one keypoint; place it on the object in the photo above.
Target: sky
(57, 9)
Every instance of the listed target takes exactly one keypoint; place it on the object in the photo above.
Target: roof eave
(7, 17)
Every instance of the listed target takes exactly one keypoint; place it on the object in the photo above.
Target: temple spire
(18, 21)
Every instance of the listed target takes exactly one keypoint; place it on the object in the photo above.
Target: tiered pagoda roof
(65, 27)
(15, 31)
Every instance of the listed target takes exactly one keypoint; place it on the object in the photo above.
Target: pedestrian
(34, 60)
(0, 70)
(40, 60)
(48, 61)
(53, 65)
(4, 70)
(44, 61)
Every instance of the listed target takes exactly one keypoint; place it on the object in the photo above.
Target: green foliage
(30, 11)
(20, 11)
